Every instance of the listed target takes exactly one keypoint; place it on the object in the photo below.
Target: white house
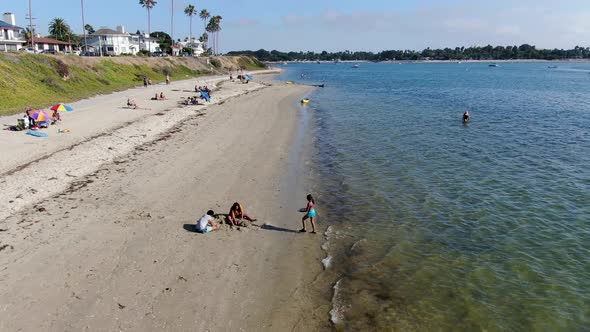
(196, 45)
(12, 37)
(116, 42)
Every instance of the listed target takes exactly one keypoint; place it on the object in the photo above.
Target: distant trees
(164, 40)
(213, 29)
(89, 29)
(190, 11)
(204, 15)
(487, 52)
(60, 30)
(148, 4)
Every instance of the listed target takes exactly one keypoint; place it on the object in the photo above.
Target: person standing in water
(466, 117)
(309, 213)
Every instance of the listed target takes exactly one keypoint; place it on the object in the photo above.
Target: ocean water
(439, 226)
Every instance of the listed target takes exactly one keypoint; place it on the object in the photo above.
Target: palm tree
(59, 29)
(214, 26)
(204, 15)
(148, 4)
(190, 11)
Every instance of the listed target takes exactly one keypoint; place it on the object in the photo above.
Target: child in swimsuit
(309, 213)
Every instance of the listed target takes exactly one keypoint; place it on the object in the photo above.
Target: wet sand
(112, 247)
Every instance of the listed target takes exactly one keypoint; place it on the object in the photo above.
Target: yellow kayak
(304, 101)
(289, 82)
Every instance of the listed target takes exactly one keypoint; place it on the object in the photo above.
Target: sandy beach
(96, 228)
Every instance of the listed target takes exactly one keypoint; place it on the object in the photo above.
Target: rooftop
(5, 25)
(50, 41)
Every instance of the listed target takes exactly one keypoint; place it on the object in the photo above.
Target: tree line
(489, 52)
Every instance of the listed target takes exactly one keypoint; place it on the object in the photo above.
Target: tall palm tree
(59, 29)
(148, 4)
(204, 15)
(215, 28)
(190, 11)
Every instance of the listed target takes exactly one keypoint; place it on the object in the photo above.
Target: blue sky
(332, 25)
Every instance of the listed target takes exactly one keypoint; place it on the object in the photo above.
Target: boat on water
(305, 101)
(493, 65)
(552, 67)
(318, 62)
(355, 66)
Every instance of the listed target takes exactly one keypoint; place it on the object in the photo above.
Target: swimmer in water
(466, 117)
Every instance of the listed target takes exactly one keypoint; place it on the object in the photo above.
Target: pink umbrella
(41, 116)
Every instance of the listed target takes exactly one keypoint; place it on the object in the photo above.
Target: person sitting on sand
(236, 212)
(309, 213)
(131, 103)
(56, 117)
(206, 223)
(162, 97)
(466, 117)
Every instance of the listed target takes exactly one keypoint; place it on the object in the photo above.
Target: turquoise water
(436, 225)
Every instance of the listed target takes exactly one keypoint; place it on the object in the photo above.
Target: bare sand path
(115, 250)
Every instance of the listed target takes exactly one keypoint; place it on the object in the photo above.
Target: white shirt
(202, 223)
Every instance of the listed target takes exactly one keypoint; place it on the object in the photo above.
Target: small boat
(355, 66)
(318, 62)
(284, 62)
(552, 67)
(493, 65)
(289, 82)
(304, 101)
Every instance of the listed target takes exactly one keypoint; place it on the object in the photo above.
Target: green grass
(34, 80)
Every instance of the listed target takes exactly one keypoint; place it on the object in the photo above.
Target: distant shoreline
(438, 61)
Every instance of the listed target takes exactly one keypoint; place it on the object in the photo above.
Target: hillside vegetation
(42, 80)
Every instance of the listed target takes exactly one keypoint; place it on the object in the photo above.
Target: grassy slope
(38, 80)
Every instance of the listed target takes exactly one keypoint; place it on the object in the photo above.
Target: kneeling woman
(237, 212)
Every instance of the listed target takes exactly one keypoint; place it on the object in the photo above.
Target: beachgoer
(32, 122)
(145, 82)
(56, 117)
(162, 97)
(150, 81)
(131, 103)
(237, 212)
(466, 117)
(167, 79)
(309, 213)
(206, 223)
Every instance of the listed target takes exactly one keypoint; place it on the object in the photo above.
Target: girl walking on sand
(309, 213)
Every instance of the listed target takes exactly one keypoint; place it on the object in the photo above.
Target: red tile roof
(50, 41)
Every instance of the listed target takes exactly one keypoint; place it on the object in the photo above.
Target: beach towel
(36, 133)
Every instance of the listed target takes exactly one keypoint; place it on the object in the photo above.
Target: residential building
(43, 44)
(12, 37)
(116, 42)
(196, 46)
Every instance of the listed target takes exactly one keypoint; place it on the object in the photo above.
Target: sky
(317, 25)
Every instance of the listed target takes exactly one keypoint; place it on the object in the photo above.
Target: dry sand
(105, 242)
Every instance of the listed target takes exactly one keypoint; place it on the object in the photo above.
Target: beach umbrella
(249, 77)
(41, 116)
(205, 95)
(61, 108)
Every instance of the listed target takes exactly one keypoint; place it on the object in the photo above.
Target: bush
(216, 63)
(143, 53)
(61, 68)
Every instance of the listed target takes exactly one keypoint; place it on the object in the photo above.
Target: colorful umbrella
(61, 108)
(41, 116)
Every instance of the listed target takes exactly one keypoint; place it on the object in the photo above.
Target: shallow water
(438, 225)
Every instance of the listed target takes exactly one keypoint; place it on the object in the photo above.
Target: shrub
(61, 68)
(216, 63)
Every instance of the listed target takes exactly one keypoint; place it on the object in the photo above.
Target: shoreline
(109, 250)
